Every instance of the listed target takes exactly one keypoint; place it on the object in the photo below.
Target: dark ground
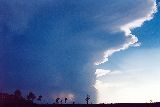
(85, 105)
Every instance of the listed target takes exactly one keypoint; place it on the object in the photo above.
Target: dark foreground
(85, 105)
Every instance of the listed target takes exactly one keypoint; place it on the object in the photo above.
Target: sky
(66, 48)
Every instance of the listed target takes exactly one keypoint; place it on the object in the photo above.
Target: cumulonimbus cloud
(56, 42)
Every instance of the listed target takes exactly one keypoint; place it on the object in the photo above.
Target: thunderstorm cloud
(53, 47)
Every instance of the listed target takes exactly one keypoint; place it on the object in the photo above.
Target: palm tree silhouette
(61, 101)
(39, 98)
(65, 100)
(87, 98)
(57, 100)
(31, 96)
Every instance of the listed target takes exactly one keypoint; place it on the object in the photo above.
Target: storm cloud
(51, 46)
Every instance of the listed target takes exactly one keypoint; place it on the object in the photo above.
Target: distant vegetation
(31, 98)
(17, 100)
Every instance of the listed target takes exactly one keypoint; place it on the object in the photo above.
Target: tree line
(31, 98)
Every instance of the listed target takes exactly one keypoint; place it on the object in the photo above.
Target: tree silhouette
(57, 100)
(17, 94)
(31, 96)
(87, 98)
(65, 100)
(39, 98)
(61, 101)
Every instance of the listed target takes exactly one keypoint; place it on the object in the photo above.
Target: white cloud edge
(126, 28)
(101, 72)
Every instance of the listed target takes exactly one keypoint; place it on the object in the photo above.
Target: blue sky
(134, 75)
(58, 48)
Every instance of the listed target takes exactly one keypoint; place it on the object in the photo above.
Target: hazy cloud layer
(135, 82)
